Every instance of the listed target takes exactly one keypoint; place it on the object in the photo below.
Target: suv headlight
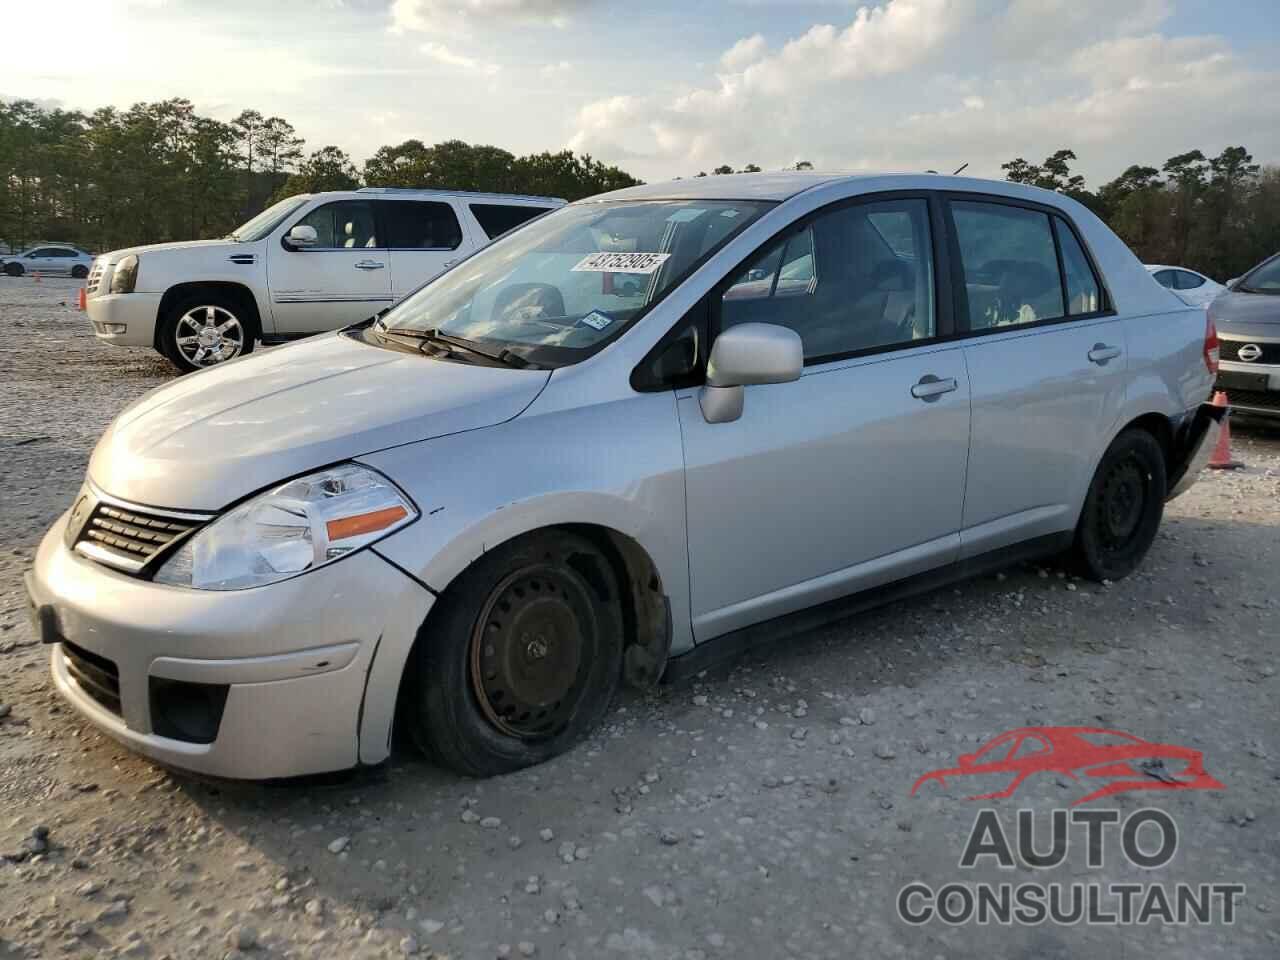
(298, 526)
(125, 276)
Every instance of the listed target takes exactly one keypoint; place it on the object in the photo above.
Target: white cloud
(438, 16)
(745, 51)
(555, 69)
(974, 103)
(442, 54)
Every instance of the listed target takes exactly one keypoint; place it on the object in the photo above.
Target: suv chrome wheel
(208, 334)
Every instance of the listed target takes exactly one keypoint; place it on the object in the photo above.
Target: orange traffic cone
(36, 275)
(80, 301)
(1222, 459)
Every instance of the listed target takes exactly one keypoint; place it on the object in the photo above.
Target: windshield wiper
(504, 356)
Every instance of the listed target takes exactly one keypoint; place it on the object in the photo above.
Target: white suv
(311, 263)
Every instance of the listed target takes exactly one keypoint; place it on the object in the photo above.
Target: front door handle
(450, 263)
(370, 265)
(1101, 353)
(930, 388)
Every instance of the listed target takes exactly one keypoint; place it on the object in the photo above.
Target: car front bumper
(126, 319)
(297, 677)
(1251, 388)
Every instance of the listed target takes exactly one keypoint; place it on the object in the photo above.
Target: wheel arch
(229, 288)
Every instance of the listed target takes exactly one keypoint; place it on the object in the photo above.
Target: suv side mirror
(747, 354)
(302, 235)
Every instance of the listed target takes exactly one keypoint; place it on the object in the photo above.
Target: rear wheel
(522, 657)
(1123, 508)
(79, 271)
(202, 330)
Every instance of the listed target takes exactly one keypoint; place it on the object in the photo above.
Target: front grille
(94, 281)
(128, 538)
(1257, 399)
(1230, 350)
(97, 677)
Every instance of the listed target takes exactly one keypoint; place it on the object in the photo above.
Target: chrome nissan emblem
(1250, 352)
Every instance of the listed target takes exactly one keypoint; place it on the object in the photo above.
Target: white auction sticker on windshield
(597, 320)
(621, 262)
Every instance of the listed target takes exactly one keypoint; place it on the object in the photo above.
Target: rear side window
(1164, 278)
(497, 218)
(1188, 280)
(1010, 265)
(1084, 294)
(420, 225)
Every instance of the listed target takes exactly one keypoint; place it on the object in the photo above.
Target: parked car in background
(308, 264)
(48, 258)
(1248, 321)
(618, 440)
(1192, 287)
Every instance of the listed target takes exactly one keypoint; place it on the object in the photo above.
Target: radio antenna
(958, 172)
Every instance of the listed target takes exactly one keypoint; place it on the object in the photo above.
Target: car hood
(115, 256)
(1239, 315)
(205, 441)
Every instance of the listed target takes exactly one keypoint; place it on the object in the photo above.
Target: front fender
(618, 466)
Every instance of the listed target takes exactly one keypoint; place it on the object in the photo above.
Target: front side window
(561, 287)
(857, 278)
(497, 218)
(1010, 264)
(420, 225)
(343, 224)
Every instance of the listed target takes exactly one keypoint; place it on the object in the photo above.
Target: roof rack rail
(424, 191)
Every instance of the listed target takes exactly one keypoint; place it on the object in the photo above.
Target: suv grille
(1257, 399)
(128, 538)
(1231, 351)
(96, 676)
(94, 281)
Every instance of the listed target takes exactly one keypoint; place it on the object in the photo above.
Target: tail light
(1211, 346)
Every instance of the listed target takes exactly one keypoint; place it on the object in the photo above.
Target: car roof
(413, 192)
(1157, 267)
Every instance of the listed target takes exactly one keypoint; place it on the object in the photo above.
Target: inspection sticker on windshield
(621, 262)
(597, 320)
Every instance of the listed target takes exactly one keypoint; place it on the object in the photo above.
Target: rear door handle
(370, 265)
(1101, 353)
(930, 388)
(450, 263)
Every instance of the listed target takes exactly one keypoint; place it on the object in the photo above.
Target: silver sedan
(48, 258)
(620, 443)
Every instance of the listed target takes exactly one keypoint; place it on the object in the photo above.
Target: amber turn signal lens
(363, 523)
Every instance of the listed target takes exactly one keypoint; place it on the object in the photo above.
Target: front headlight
(298, 526)
(125, 276)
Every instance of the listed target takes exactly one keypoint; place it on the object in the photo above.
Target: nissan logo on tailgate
(1250, 352)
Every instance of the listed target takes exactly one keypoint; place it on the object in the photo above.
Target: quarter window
(1165, 278)
(343, 224)
(1084, 294)
(1010, 265)
(1188, 280)
(855, 279)
(420, 225)
(497, 218)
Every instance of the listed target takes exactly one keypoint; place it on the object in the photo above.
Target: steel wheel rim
(1122, 504)
(531, 651)
(209, 334)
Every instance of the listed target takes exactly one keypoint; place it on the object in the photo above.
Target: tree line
(160, 171)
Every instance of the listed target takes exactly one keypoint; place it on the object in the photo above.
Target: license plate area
(1231, 380)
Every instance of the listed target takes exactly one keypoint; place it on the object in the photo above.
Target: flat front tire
(521, 658)
(202, 330)
(1123, 508)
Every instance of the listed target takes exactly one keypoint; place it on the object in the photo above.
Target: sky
(666, 89)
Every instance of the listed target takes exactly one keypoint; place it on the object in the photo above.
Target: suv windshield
(557, 290)
(1263, 279)
(267, 220)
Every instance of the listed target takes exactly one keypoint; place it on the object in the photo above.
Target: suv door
(1046, 362)
(853, 475)
(425, 238)
(342, 279)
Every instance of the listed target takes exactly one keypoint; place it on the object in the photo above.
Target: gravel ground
(762, 811)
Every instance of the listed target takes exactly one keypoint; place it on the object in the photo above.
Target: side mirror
(302, 236)
(747, 354)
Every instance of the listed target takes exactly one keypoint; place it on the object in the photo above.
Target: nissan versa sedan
(626, 440)
(1249, 315)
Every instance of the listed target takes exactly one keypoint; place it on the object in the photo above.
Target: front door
(853, 475)
(1046, 365)
(344, 278)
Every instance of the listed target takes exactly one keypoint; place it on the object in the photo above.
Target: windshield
(267, 220)
(1264, 279)
(557, 290)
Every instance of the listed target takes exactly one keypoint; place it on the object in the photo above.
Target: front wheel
(522, 657)
(1123, 508)
(204, 330)
(14, 269)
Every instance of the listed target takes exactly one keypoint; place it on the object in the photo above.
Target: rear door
(425, 238)
(344, 278)
(1046, 361)
(852, 475)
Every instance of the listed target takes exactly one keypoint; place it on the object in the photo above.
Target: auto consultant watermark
(1146, 839)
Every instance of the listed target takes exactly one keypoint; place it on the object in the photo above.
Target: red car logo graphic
(1126, 762)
